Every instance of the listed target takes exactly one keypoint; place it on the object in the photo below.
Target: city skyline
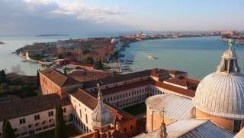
(63, 16)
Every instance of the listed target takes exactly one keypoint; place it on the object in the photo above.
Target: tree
(60, 125)
(38, 78)
(2, 76)
(8, 132)
(90, 60)
(60, 56)
(98, 65)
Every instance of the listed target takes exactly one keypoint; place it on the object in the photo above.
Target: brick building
(119, 91)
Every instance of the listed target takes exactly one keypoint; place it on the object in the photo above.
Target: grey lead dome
(222, 92)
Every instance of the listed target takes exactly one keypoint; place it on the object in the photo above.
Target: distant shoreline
(51, 35)
(1, 43)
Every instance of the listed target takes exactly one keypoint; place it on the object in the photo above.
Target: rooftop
(91, 101)
(29, 106)
(88, 75)
(192, 128)
(174, 107)
(59, 78)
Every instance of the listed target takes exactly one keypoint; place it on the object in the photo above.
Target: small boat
(152, 57)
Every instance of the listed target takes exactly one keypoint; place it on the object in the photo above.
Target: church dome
(222, 92)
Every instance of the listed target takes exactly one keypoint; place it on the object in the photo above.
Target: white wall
(80, 111)
(45, 122)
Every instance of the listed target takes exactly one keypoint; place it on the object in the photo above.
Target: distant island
(1, 43)
(51, 35)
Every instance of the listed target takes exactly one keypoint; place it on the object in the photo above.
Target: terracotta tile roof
(86, 75)
(124, 87)
(123, 77)
(157, 72)
(186, 92)
(85, 98)
(192, 81)
(117, 78)
(90, 101)
(176, 72)
(29, 106)
(177, 82)
(59, 78)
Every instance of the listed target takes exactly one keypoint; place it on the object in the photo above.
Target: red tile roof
(177, 82)
(124, 87)
(86, 75)
(90, 101)
(31, 105)
(118, 78)
(59, 78)
(186, 92)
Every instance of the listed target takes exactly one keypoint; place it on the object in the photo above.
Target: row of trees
(8, 131)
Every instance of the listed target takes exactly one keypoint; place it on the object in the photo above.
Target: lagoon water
(197, 56)
(9, 60)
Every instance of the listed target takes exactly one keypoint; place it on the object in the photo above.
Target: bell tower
(101, 117)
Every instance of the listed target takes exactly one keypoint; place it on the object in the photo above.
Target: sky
(19, 17)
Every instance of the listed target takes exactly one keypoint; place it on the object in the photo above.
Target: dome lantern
(229, 64)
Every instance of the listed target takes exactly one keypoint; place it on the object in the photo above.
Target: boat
(152, 57)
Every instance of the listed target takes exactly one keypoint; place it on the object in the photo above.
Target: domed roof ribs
(229, 64)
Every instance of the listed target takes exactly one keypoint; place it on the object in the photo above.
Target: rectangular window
(237, 126)
(86, 119)
(37, 117)
(80, 114)
(22, 121)
(64, 110)
(50, 113)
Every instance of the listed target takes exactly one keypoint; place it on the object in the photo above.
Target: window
(22, 121)
(80, 114)
(237, 126)
(86, 119)
(131, 127)
(64, 110)
(37, 117)
(50, 113)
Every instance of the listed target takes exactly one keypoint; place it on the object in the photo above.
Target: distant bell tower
(101, 117)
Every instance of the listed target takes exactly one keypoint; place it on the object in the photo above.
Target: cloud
(37, 2)
(56, 16)
(78, 10)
